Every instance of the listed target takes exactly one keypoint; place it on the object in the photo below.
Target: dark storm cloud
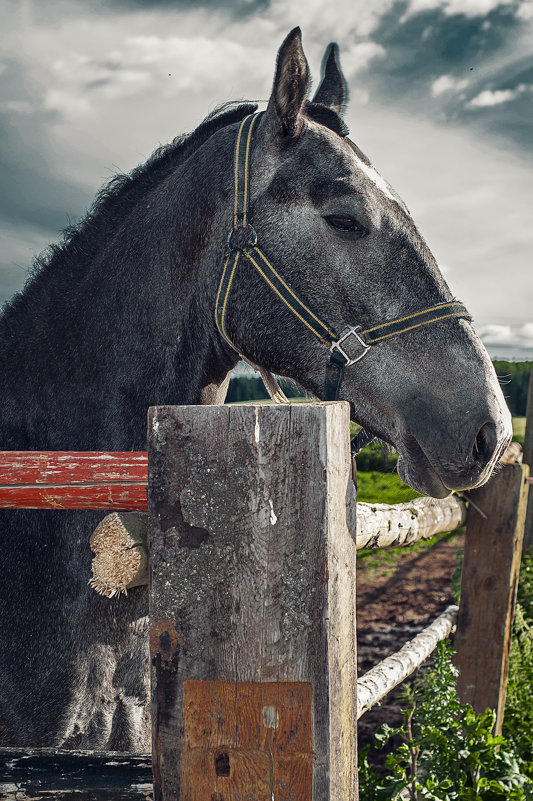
(422, 47)
(425, 45)
(34, 195)
(236, 8)
(31, 191)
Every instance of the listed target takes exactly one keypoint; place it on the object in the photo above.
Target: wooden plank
(493, 546)
(115, 497)
(28, 774)
(252, 603)
(247, 735)
(72, 467)
(528, 459)
(73, 480)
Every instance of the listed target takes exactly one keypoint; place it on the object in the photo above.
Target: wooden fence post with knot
(252, 603)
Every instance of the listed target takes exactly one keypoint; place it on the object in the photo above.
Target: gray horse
(120, 316)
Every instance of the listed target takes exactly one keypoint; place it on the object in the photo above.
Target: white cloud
(471, 201)
(521, 336)
(490, 97)
(469, 8)
(358, 56)
(16, 107)
(447, 84)
(83, 83)
(525, 10)
(341, 21)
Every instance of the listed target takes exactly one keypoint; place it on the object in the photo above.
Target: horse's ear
(291, 84)
(333, 90)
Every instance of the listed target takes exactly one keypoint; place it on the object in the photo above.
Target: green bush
(518, 718)
(447, 751)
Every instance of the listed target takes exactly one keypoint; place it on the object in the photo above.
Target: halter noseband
(352, 343)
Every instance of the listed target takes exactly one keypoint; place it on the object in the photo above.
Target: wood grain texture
(247, 738)
(253, 585)
(528, 459)
(493, 547)
(73, 480)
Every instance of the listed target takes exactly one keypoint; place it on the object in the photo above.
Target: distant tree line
(514, 378)
(251, 388)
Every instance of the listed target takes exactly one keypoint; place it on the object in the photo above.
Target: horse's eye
(342, 223)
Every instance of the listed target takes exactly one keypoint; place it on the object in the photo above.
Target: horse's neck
(85, 356)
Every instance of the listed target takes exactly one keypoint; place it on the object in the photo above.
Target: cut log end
(120, 561)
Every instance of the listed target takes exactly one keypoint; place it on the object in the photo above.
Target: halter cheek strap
(348, 346)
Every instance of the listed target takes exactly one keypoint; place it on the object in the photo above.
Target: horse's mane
(81, 240)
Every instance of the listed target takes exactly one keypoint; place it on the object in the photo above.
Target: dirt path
(393, 604)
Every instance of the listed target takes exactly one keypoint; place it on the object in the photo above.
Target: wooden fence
(251, 544)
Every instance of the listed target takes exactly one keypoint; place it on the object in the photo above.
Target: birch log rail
(120, 540)
(387, 674)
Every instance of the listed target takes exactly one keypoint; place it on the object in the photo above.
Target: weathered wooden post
(252, 603)
(493, 547)
(528, 459)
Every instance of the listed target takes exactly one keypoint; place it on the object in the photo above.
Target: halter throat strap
(348, 346)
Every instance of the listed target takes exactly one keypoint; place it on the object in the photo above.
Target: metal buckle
(241, 237)
(350, 331)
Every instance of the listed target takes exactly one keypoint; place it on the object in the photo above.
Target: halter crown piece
(347, 347)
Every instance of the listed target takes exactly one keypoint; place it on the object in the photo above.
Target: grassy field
(374, 487)
(519, 428)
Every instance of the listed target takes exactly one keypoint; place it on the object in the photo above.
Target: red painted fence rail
(73, 480)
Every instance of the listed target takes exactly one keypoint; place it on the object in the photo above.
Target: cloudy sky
(441, 101)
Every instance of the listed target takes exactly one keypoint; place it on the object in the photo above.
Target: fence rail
(73, 480)
(376, 683)
(250, 544)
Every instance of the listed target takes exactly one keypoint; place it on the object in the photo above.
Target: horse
(120, 316)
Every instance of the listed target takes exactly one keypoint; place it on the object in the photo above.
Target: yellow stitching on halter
(284, 299)
(222, 316)
(417, 325)
(410, 316)
(246, 160)
(289, 290)
(236, 171)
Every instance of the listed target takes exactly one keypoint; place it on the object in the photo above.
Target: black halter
(352, 343)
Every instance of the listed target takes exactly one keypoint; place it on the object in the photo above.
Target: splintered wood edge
(121, 559)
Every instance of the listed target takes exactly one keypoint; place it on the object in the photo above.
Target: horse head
(342, 239)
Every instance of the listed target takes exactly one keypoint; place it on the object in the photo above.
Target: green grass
(519, 428)
(375, 487)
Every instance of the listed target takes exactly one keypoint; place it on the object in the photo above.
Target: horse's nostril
(485, 443)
